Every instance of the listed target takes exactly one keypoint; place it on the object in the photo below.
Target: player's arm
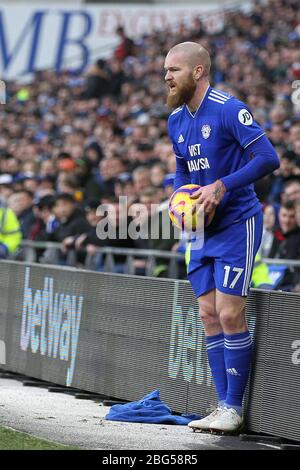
(262, 160)
(258, 151)
(182, 174)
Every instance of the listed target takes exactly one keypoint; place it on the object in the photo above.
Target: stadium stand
(103, 135)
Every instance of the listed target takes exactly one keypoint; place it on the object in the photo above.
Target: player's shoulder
(173, 117)
(219, 97)
(225, 100)
(231, 107)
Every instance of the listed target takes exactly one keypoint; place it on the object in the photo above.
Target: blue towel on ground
(149, 409)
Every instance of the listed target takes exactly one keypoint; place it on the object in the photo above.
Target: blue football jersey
(209, 144)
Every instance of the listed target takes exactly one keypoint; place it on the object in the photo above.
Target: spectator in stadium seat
(296, 147)
(270, 227)
(278, 115)
(21, 202)
(277, 134)
(294, 132)
(158, 173)
(141, 179)
(109, 234)
(6, 186)
(69, 183)
(124, 187)
(93, 155)
(31, 183)
(82, 171)
(289, 247)
(117, 77)
(46, 186)
(47, 168)
(47, 220)
(144, 155)
(102, 183)
(98, 80)
(71, 220)
(278, 179)
(296, 169)
(292, 190)
(80, 241)
(126, 47)
(12, 166)
(143, 209)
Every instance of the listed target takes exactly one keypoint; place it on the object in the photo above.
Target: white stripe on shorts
(251, 259)
(250, 228)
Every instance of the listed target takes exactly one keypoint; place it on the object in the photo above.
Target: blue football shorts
(225, 262)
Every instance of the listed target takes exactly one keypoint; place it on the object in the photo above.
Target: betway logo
(51, 322)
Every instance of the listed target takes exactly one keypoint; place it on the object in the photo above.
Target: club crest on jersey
(206, 130)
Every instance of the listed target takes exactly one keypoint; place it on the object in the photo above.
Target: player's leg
(233, 276)
(215, 352)
(203, 284)
(214, 342)
(237, 356)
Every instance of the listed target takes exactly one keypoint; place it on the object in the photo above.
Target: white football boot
(228, 421)
(204, 423)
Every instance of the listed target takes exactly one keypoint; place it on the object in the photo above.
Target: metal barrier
(291, 263)
(50, 253)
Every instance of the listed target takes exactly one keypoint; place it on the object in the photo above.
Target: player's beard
(184, 94)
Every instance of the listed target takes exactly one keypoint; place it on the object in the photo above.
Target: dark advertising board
(124, 336)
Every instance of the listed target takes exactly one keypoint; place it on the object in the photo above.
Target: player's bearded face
(181, 92)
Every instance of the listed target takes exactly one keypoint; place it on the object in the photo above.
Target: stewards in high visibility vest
(10, 232)
(260, 276)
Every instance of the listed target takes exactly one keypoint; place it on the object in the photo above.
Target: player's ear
(198, 72)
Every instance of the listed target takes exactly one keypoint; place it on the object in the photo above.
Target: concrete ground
(63, 418)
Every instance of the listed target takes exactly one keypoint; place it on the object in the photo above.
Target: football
(180, 209)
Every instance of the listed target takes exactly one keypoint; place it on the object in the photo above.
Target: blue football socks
(237, 356)
(215, 353)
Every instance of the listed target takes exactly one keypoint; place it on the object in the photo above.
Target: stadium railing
(104, 258)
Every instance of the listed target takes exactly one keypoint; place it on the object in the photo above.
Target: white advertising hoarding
(34, 37)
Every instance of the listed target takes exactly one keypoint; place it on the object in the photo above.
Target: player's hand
(210, 196)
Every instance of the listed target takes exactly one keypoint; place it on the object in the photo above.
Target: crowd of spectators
(69, 142)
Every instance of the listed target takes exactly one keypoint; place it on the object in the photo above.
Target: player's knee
(229, 317)
(209, 317)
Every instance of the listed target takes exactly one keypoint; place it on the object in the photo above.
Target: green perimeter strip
(16, 440)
